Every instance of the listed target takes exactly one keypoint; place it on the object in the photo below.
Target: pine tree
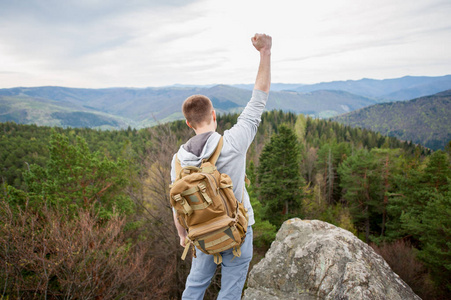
(279, 177)
(264, 231)
(359, 181)
(421, 183)
(426, 210)
(434, 230)
(388, 163)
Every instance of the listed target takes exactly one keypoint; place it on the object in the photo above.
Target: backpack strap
(214, 157)
(187, 246)
(217, 258)
(178, 168)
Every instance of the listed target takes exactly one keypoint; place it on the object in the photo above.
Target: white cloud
(151, 43)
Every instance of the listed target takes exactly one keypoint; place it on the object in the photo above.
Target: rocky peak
(316, 260)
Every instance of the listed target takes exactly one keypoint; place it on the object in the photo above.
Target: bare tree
(151, 195)
(49, 254)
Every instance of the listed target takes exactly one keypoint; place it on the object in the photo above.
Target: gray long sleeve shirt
(232, 160)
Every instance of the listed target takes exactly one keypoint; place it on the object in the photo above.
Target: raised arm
(263, 43)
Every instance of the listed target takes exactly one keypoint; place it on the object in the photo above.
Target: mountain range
(397, 89)
(123, 107)
(114, 108)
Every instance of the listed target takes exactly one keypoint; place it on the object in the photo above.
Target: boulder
(316, 260)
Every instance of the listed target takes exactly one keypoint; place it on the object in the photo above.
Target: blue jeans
(233, 272)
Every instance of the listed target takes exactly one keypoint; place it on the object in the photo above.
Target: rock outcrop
(316, 260)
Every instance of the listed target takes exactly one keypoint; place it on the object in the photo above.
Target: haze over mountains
(115, 108)
(396, 89)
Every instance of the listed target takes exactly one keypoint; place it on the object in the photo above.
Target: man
(201, 117)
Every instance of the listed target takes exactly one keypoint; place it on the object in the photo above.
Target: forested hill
(425, 120)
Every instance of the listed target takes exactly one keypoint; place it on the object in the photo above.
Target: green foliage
(264, 232)
(24, 145)
(279, 177)
(347, 169)
(13, 197)
(329, 157)
(367, 179)
(360, 183)
(421, 182)
(434, 231)
(339, 216)
(424, 208)
(300, 127)
(76, 178)
(21, 146)
(66, 234)
(319, 132)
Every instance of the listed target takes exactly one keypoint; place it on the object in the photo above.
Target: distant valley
(122, 107)
(116, 108)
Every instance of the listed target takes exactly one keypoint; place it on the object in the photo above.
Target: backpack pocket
(242, 220)
(216, 235)
(237, 209)
(196, 197)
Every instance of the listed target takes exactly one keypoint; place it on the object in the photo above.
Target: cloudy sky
(142, 43)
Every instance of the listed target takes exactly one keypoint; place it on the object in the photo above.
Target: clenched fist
(262, 42)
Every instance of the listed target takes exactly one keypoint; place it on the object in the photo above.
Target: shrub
(47, 255)
(401, 257)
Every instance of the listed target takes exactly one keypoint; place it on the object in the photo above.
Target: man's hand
(182, 237)
(262, 42)
(180, 230)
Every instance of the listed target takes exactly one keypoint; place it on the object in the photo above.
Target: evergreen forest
(85, 213)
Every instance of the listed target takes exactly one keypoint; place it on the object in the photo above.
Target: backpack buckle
(186, 208)
(203, 190)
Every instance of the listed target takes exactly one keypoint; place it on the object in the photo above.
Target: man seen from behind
(201, 117)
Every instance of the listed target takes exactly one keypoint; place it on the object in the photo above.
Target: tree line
(91, 215)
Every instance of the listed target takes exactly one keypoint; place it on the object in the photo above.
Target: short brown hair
(197, 110)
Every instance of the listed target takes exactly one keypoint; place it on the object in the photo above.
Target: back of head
(197, 110)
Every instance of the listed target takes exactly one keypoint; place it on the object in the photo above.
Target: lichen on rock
(317, 260)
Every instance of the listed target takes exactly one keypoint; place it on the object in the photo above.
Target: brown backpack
(208, 209)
